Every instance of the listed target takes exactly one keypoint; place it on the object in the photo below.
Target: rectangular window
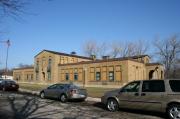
(49, 75)
(67, 76)
(49, 65)
(31, 76)
(111, 76)
(75, 76)
(175, 85)
(131, 87)
(37, 66)
(153, 86)
(37, 75)
(98, 76)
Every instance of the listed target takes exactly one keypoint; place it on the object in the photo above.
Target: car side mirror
(121, 91)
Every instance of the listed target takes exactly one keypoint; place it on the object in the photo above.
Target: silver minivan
(150, 95)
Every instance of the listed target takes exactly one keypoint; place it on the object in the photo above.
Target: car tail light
(73, 91)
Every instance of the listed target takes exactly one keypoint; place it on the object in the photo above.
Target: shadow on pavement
(23, 107)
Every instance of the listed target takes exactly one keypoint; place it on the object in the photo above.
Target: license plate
(82, 96)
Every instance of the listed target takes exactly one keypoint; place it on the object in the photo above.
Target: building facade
(54, 67)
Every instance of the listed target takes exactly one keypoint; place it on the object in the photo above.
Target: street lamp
(7, 52)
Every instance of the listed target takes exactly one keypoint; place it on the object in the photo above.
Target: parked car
(1, 80)
(64, 92)
(7, 85)
(149, 95)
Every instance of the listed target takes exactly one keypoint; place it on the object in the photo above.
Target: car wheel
(63, 98)
(174, 111)
(112, 105)
(42, 95)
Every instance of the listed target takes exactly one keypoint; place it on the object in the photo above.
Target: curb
(91, 99)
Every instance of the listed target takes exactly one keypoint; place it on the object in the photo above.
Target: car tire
(112, 105)
(42, 95)
(173, 111)
(63, 98)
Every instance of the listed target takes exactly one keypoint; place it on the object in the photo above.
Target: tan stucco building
(54, 67)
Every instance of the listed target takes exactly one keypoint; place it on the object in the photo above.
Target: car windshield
(10, 82)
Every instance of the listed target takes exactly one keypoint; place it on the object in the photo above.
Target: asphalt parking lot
(15, 105)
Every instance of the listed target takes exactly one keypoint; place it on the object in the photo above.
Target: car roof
(156, 80)
(8, 80)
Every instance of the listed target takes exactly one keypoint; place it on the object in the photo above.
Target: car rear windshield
(175, 85)
(73, 87)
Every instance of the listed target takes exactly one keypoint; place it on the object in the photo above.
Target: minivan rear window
(175, 85)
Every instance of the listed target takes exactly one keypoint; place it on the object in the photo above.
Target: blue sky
(64, 25)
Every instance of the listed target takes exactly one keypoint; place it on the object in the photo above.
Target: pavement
(19, 105)
(91, 99)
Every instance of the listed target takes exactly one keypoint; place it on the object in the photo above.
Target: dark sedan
(8, 85)
(64, 92)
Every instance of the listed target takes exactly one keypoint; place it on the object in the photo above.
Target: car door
(58, 91)
(152, 95)
(49, 92)
(129, 95)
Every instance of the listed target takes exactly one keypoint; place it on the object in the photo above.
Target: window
(111, 76)
(49, 75)
(153, 86)
(49, 65)
(132, 87)
(37, 66)
(60, 86)
(43, 62)
(98, 76)
(52, 87)
(175, 85)
(67, 76)
(75, 76)
(31, 76)
(37, 75)
(37, 70)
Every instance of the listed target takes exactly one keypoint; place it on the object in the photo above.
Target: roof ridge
(62, 53)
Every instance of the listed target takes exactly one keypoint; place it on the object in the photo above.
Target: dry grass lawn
(92, 91)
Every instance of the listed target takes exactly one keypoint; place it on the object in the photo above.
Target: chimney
(105, 57)
(73, 53)
(93, 57)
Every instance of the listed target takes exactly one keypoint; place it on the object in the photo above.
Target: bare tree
(21, 65)
(103, 49)
(12, 8)
(141, 47)
(90, 48)
(168, 50)
(128, 49)
(116, 49)
(135, 48)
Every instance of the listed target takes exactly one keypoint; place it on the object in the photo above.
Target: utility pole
(7, 52)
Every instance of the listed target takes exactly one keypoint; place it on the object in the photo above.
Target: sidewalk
(37, 93)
